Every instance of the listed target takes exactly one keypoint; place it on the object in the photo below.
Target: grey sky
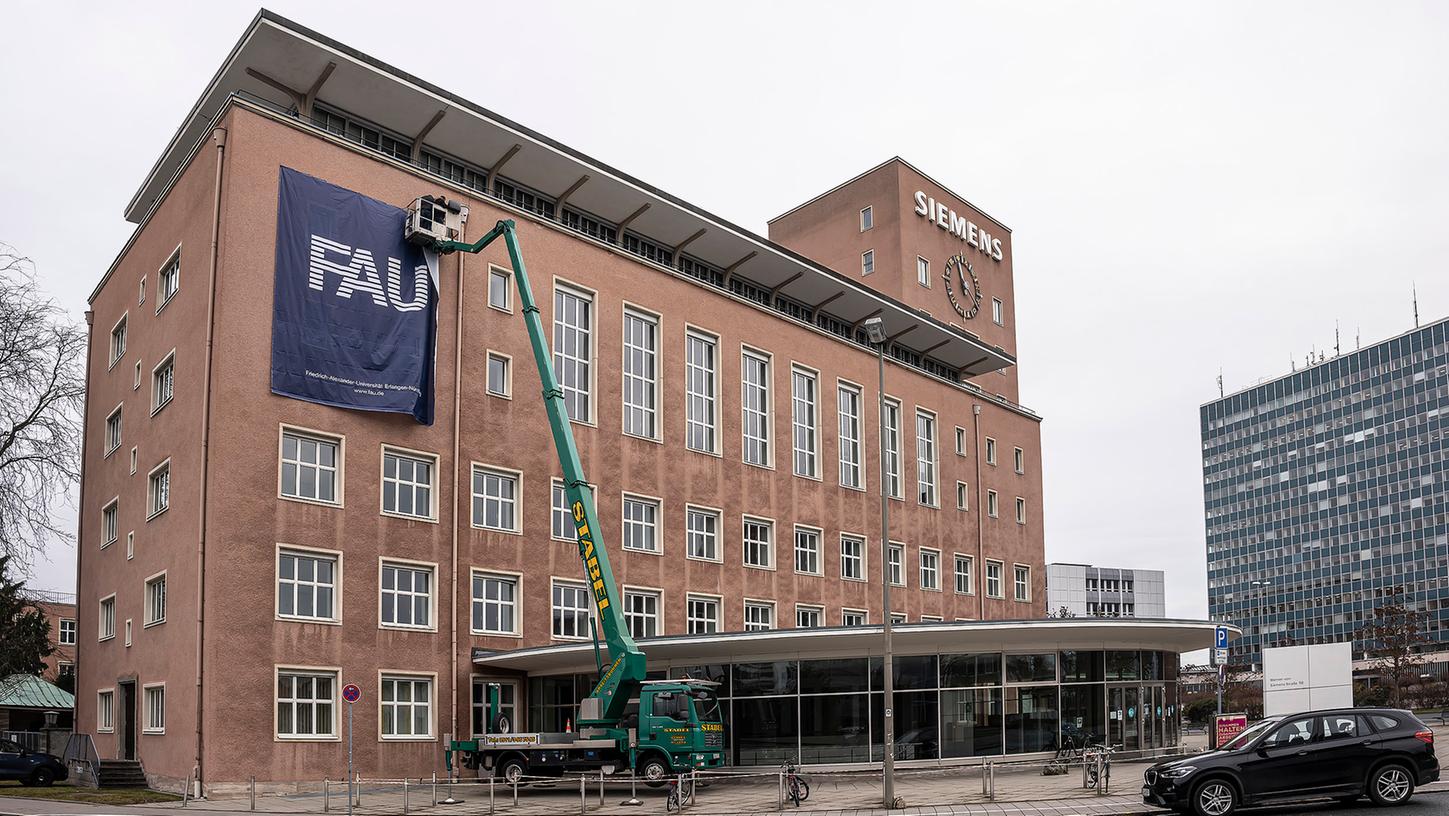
(1190, 187)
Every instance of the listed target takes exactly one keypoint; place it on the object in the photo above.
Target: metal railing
(29, 740)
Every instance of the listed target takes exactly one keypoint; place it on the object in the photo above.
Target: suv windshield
(1248, 735)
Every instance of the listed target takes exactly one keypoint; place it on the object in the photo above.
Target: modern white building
(1088, 591)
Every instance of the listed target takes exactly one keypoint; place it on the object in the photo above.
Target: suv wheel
(42, 777)
(1391, 785)
(1215, 797)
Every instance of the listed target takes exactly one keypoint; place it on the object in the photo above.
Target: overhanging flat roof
(299, 58)
(1049, 634)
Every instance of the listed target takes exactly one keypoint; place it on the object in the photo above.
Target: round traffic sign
(351, 693)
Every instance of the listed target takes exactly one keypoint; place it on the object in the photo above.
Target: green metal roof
(29, 691)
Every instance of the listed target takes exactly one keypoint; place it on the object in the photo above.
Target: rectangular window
(67, 632)
(1022, 576)
(306, 704)
(133, 460)
(641, 612)
(866, 219)
(755, 407)
(896, 553)
(155, 703)
(759, 616)
(136, 378)
(852, 617)
(1019, 457)
(306, 585)
(500, 378)
(993, 579)
(496, 500)
(892, 432)
(113, 431)
(168, 281)
(1020, 510)
(990, 451)
(118, 340)
(998, 312)
(962, 496)
(163, 383)
(852, 469)
(641, 374)
(965, 583)
(500, 290)
(867, 262)
(155, 600)
(960, 441)
(407, 596)
(809, 617)
(109, 527)
(807, 551)
(923, 271)
(107, 621)
(141, 292)
(570, 610)
(573, 350)
(702, 533)
(926, 458)
(407, 707)
(898, 617)
(407, 484)
(804, 419)
(759, 535)
(105, 711)
(991, 503)
(311, 467)
(701, 394)
(852, 558)
(495, 604)
(561, 514)
(158, 490)
(130, 545)
(641, 524)
(702, 614)
(930, 569)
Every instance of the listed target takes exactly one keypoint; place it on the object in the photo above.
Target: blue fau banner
(354, 313)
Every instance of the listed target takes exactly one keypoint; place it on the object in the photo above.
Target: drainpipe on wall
(80, 522)
(457, 414)
(218, 137)
(980, 513)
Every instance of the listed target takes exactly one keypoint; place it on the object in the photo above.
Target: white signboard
(509, 740)
(1307, 678)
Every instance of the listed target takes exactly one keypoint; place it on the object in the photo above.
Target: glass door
(1116, 714)
(1131, 722)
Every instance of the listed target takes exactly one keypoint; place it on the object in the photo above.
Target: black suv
(1344, 753)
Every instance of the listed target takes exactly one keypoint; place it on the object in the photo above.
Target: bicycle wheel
(686, 791)
(804, 789)
(672, 803)
(795, 791)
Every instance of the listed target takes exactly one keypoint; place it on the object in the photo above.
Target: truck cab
(678, 726)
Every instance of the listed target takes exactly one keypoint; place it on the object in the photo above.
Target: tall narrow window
(1022, 582)
(495, 604)
(897, 556)
(960, 441)
(118, 340)
(867, 219)
(993, 579)
(892, 463)
(926, 457)
(852, 558)
(867, 262)
(407, 596)
(158, 490)
(407, 484)
(805, 422)
(113, 431)
(561, 514)
(641, 524)
(106, 628)
(641, 376)
(701, 396)
(930, 569)
(923, 271)
(641, 612)
(110, 528)
(155, 600)
(310, 468)
(105, 710)
(500, 379)
(1020, 510)
(495, 500)
(961, 496)
(305, 704)
(306, 585)
(965, 585)
(759, 536)
(573, 350)
(852, 471)
(702, 533)
(992, 503)
(703, 614)
(499, 290)
(807, 550)
(755, 407)
(998, 312)
(163, 383)
(570, 610)
(990, 451)
(155, 700)
(1019, 457)
(168, 281)
(759, 615)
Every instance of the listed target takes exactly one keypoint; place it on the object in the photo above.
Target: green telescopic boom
(621, 679)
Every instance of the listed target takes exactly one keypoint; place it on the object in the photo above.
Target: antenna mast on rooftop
(1415, 290)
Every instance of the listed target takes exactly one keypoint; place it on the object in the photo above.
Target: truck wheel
(501, 725)
(654, 771)
(512, 770)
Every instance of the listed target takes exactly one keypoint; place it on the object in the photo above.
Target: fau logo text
(356, 271)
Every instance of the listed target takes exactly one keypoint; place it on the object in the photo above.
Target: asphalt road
(1434, 803)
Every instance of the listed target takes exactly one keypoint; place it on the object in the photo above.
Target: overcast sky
(1191, 188)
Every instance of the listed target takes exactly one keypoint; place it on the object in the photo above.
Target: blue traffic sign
(1220, 637)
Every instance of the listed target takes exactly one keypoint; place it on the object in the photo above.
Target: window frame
(60, 631)
(773, 544)
(339, 468)
(554, 582)
(897, 490)
(147, 727)
(759, 603)
(867, 263)
(767, 439)
(656, 390)
(431, 459)
(507, 275)
(430, 567)
(108, 725)
(714, 426)
(970, 560)
(571, 534)
(923, 271)
(412, 677)
(336, 556)
(117, 351)
(335, 674)
(818, 609)
(998, 312)
(591, 297)
(812, 376)
(113, 439)
(934, 444)
(705, 597)
(892, 564)
(990, 451)
(863, 613)
(475, 467)
(867, 218)
(1020, 510)
(111, 522)
(148, 608)
(105, 632)
(169, 361)
(1000, 593)
(819, 534)
(1016, 582)
(517, 579)
(963, 496)
(864, 557)
(657, 593)
(162, 296)
(921, 554)
(718, 515)
(1018, 457)
(993, 503)
(843, 387)
(658, 524)
(153, 492)
(507, 360)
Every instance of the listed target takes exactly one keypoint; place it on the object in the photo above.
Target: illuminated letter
(920, 204)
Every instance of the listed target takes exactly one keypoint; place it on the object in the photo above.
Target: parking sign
(1220, 637)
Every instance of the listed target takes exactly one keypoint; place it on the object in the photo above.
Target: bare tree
(42, 388)
(1394, 637)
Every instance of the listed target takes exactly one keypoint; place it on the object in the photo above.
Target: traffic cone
(569, 725)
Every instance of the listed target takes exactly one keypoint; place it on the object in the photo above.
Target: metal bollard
(993, 781)
(583, 796)
(357, 790)
(601, 789)
(186, 792)
(983, 777)
(490, 794)
(1101, 783)
(515, 793)
(780, 789)
(435, 787)
(252, 793)
(405, 796)
(326, 795)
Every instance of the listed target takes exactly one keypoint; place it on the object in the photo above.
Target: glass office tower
(1325, 491)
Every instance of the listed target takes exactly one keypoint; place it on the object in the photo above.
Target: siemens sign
(354, 308)
(942, 216)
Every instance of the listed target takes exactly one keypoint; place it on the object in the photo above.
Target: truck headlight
(1177, 773)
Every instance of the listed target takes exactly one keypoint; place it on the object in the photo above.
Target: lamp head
(875, 330)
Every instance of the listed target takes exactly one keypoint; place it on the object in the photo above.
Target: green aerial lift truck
(655, 728)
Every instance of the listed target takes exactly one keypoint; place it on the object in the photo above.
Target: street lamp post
(875, 331)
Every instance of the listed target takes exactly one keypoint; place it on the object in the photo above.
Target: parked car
(30, 767)
(1381, 753)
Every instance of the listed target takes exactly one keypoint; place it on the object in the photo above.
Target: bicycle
(1102, 777)
(795, 787)
(681, 793)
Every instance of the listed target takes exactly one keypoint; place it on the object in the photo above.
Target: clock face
(962, 286)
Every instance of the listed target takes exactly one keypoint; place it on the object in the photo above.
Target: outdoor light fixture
(875, 330)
